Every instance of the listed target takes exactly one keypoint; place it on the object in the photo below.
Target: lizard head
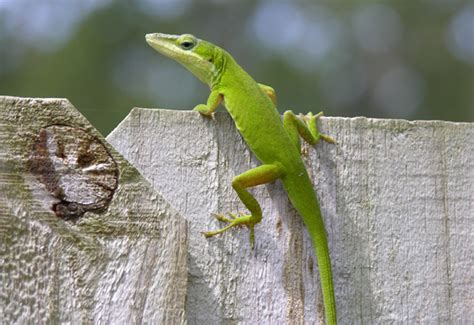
(198, 56)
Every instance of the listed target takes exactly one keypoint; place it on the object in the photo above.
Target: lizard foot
(311, 121)
(234, 220)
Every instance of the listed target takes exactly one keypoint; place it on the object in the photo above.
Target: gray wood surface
(398, 202)
(84, 239)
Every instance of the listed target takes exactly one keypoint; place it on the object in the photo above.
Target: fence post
(398, 202)
(84, 238)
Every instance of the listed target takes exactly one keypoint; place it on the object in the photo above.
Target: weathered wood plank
(83, 237)
(398, 201)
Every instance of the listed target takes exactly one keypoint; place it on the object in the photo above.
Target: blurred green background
(391, 59)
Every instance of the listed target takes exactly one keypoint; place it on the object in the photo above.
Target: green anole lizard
(274, 142)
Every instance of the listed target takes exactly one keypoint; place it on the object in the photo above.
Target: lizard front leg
(213, 101)
(270, 92)
(253, 177)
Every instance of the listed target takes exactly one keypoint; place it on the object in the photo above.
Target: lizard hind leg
(311, 122)
(260, 175)
(305, 127)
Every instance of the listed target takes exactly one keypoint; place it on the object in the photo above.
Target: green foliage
(105, 67)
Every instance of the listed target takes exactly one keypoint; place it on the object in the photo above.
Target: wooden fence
(98, 230)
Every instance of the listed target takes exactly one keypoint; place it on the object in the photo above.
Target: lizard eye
(187, 42)
(187, 45)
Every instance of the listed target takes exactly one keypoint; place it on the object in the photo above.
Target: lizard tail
(303, 198)
(325, 274)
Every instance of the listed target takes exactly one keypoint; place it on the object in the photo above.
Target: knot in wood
(76, 169)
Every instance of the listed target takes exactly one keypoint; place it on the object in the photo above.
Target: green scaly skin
(274, 142)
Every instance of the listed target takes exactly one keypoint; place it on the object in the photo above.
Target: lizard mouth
(168, 46)
(159, 41)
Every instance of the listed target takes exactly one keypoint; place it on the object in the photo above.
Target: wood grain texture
(398, 203)
(76, 245)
